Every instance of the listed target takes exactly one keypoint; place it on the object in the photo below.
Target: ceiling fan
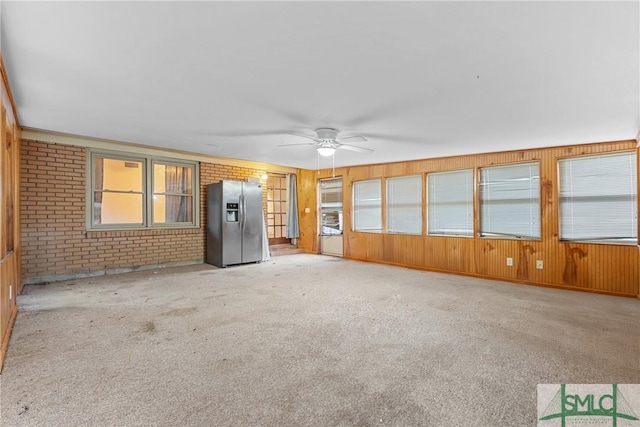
(327, 142)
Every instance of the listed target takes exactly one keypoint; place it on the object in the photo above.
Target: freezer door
(231, 224)
(252, 222)
(214, 224)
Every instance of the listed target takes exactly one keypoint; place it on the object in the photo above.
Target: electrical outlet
(539, 264)
(510, 262)
(307, 210)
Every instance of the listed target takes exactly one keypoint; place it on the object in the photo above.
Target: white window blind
(404, 205)
(598, 198)
(450, 203)
(510, 201)
(331, 206)
(367, 206)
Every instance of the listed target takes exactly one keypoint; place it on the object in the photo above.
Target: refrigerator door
(231, 223)
(214, 224)
(252, 222)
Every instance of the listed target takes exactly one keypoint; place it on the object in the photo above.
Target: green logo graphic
(613, 405)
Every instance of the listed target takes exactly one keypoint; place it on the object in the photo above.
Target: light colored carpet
(305, 340)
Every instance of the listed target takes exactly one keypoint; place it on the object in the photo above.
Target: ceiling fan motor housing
(327, 134)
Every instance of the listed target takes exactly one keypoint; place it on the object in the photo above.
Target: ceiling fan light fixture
(326, 151)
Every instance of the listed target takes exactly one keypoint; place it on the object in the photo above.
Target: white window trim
(147, 207)
(473, 190)
(353, 207)
(615, 242)
(389, 206)
(507, 236)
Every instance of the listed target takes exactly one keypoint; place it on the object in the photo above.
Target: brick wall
(55, 242)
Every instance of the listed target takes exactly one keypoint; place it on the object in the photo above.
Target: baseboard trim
(72, 276)
(501, 279)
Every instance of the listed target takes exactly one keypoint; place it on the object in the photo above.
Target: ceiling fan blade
(354, 148)
(352, 138)
(305, 136)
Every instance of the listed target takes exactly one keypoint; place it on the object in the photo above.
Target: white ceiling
(418, 79)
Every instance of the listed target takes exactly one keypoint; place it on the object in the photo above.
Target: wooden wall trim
(526, 154)
(7, 336)
(10, 236)
(7, 95)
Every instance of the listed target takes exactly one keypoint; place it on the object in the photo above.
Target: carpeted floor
(305, 340)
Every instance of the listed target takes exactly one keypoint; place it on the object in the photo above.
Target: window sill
(522, 239)
(464, 236)
(603, 242)
(94, 234)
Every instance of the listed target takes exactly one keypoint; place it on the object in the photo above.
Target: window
(599, 198)
(118, 195)
(331, 206)
(404, 205)
(450, 203)
(367, 206)
(139, 192)
(277, 208)
(510, 201)
(172, 193)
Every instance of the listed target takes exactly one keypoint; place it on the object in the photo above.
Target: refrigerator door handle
(241, 209)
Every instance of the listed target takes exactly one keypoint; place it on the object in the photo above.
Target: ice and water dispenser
(232, 212)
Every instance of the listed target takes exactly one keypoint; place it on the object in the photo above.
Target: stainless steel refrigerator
(234, 223)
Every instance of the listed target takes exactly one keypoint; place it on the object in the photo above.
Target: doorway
(330, 215)
(277, 209)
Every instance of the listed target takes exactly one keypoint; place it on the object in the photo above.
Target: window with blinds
(404, 205)
(510, 201)
(450, 203)
(331, 206)
(367, 206)
(599, 198)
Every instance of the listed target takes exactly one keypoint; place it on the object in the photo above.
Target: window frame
(353, 207)
(505, 236)
(331, 207)
(420, 206)
(474, 180)
(614, 242)
(148, 162)
(194, 185)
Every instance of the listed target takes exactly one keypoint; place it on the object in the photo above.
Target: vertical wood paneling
(595, 267)
(308, 221)
(9, 195)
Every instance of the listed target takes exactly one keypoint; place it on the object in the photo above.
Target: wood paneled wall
(10, 248)
(308, 210)
(605, 268)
